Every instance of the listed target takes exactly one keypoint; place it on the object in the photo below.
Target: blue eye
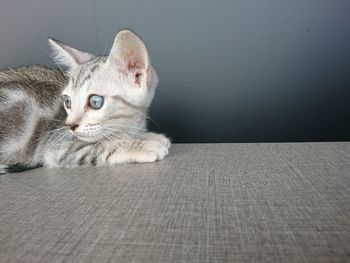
(96, 101)
(67, 101)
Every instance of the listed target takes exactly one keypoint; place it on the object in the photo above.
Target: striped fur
(33, 118)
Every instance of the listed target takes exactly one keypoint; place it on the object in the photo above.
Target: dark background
(230, 71)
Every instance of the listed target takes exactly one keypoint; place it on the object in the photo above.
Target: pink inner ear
(136, 68)
(135, 65)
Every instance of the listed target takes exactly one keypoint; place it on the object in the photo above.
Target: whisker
(113, 131)
(125, 126)
(113, 134)
(148, 117)
(113, 141)
(44, 135)
(59, 138)
(52, 132)
(119, 144)
(57, 120)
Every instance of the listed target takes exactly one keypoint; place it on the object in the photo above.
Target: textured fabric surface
(285, 202)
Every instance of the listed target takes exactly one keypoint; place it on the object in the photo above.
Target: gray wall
(247, 70)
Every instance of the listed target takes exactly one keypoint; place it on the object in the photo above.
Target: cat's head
(107, 96)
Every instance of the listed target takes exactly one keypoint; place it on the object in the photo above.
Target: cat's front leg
(150, 147)
(151, 136)
(73, 154)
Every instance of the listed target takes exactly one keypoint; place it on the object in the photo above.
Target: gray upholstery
(285, 202)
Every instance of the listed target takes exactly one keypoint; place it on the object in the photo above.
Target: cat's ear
(129, 55)
(68, 56)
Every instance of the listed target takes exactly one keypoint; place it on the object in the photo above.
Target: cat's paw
(149, 151)
(132, 157)
(157, 137)
(160, 149)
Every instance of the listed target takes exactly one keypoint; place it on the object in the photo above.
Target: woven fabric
(287, 202)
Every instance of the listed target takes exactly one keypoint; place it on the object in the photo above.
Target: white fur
(3, 169)
(154, 147)
(125, 74)
(114, 78)
(14, 96)
(125, 79)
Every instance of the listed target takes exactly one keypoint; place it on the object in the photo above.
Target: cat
(93, 114)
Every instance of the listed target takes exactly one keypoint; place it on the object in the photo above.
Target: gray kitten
(95, 114)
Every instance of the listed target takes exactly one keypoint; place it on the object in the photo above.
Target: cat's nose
(72, 126)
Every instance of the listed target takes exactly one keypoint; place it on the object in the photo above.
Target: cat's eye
(96, 102)
(67, 101)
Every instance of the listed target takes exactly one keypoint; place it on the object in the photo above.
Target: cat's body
(103, 117)
(30, 107)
